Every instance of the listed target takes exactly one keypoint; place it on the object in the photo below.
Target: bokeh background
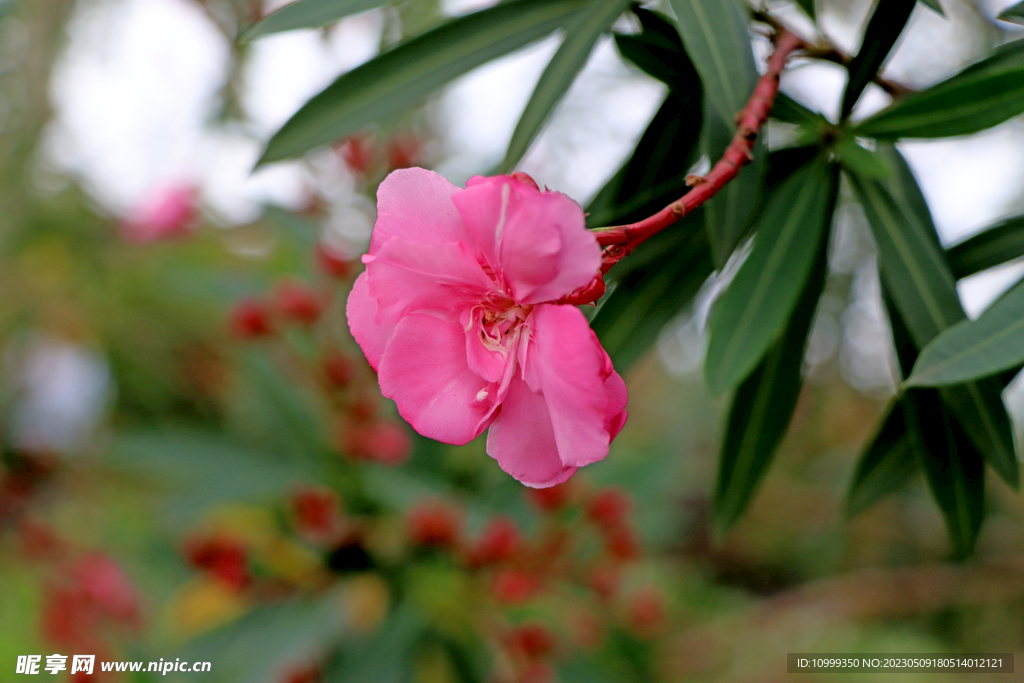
(197, 463)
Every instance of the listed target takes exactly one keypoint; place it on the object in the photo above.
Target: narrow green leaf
(917, 277)
(863, 162)
(658, 50)
(790, 111)
(971, 101)
(886, 464)
(808, 7)
(764, 405)
(669, 273)
(935, 5)
(731, 212)
(389, 84)
(954, 470)
(975, 348)
(752, 312)
(716, 37)
(308, 14)
(1001, 243)
(1014, 14)
(883, 30)
(581, 34)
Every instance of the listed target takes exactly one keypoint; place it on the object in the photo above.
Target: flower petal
(416, 205)
(424, 370)
(361, 311)
(522, 439)
(536, 242)
(406, 276)
(584, 394)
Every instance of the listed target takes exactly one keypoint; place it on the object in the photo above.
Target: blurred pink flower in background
(456, 312)
(167, 212)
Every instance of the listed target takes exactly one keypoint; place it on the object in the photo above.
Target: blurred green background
(197, 463)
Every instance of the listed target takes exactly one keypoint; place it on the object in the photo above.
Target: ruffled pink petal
(536, 242)
(361, 311)
(488, 363)
(424, 370)
(415, 204)
(406, 276)
(522, 439)
(584, 394)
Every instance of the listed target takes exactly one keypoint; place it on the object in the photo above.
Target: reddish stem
(619, 241)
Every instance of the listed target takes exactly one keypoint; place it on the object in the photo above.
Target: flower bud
(533, 640)
(621, 543)
(357, 151)
(224, 558)
(604, 581)
(552, 498)
(404, 151)
(646, 612)
(315, 511)
(338, 369)
(608, 507)
(434, 524)
(250, 319)
(499, 542)
(514, 587)
(333, 263)
(297, 302)
(386, 442)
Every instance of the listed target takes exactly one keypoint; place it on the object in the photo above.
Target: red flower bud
(297, 302)
(357, 151)
(646, 612)
(552, 498)
(404, 151)
(605, 582)
(385, 442)
(533, 640)
(608, 507)
(250, 319)
(222, 557)
(514, 587)
(499, 542)
(434, 524)
(338, 369)
(315, 511)
(333, 263)
(620, 542)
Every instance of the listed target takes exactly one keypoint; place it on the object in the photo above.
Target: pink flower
(167, 212)
(456, 313)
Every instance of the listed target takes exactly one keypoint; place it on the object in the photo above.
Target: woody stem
(619, 241)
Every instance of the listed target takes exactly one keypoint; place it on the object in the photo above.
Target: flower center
(500, 328)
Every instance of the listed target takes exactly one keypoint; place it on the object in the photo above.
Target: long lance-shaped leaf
(731, 212)
(935, 5)
(1014, 13)
(917, 277)
(808, 7)
(308, 14)
(389, 84)
(749, 317)
(580, 36)
(668, 276)
(716, 37)
(1001, 243)
(658, 50)
(883, 29)
(764, 405)
(886, 464)
(975, 348)
(954, 470)
(981, 96)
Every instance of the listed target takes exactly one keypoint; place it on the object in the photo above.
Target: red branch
(619, 241)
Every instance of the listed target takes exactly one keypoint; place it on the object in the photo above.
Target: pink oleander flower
(456, 313)
(165, 213)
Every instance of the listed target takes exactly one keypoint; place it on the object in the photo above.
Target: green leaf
(402, 77)
(975, 348)
(580, 35)
(981, 96)
(883, 30)
(764, 403)
(386, 656)
(731, 212)
(1014, 14)
(308, 14)
(915, 274)
(863, 162)
(752, 312)
(954, 470)
(667, 274)
(788, 110)
(995, 245)
(716, 37)
(935, 5)
(885, 465)
(658, 51)
(808, 7)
